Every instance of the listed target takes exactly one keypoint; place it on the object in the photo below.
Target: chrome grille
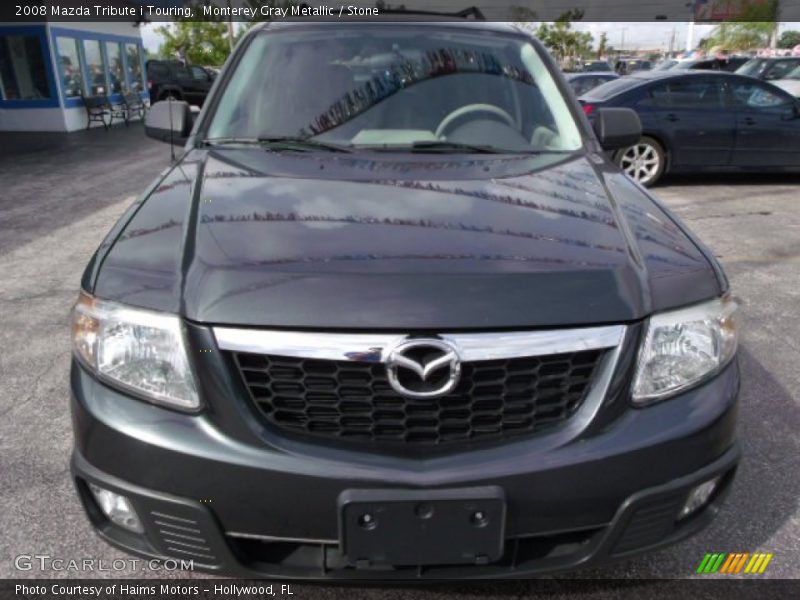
(335, 386)
(353, 400)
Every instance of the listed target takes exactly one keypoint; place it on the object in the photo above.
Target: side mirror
(169, 121)
(617, 127)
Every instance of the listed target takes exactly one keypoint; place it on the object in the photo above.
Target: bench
(134, 105)
(99, 108)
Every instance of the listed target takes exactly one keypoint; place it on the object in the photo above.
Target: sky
(622, 35)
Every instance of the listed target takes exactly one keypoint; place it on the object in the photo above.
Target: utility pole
(230, 26)
(671, 43)
(622, 40)
(690, 29)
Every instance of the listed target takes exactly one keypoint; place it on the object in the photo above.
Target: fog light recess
(117, 508)
(698, 497)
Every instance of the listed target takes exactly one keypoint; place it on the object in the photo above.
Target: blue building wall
(59, 110)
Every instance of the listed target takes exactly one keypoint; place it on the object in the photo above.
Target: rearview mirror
(169, 121)
(616, 127)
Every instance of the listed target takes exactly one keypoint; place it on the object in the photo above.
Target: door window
(781, 68)
(181, 72)
(755, 96)
(157, 71)
(199, 74)
(694, 93)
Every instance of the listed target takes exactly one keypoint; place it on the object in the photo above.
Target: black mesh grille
(353, 400)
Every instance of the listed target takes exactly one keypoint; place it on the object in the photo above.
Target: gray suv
(393, 313)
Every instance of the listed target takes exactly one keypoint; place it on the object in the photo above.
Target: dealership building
(47, 67)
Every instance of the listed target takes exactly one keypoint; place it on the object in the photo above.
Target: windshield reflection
(402, 75)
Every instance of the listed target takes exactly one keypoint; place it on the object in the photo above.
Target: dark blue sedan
(703, 121)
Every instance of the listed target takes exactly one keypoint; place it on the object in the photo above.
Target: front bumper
(255, 511)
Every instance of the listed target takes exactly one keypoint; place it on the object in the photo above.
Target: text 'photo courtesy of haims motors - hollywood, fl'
(432, 299)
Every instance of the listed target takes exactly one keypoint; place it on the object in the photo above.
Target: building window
(23, 74)
(116, 70)
(134, 60)
(69, 59)
(95, 68)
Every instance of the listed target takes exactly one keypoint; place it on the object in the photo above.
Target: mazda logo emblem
(423, 368)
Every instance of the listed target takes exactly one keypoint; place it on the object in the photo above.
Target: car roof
(641, 78)
(591, 74)
(667, 74)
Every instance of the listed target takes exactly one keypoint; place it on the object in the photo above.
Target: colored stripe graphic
(717, 564)
(703, 563)
(735, 562)
(741, 562)
(728, 565)
(711, 563)
(767, 558)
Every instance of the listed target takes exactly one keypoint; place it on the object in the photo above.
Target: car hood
(346, 241)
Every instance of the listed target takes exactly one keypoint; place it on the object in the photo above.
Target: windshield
(684, 65)
(752, 67)
(793, 74)
(665, 65)
(599, 66)
(394, 88)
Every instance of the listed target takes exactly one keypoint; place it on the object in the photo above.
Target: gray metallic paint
(314, 241)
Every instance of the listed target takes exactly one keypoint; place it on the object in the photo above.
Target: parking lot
(59, 200)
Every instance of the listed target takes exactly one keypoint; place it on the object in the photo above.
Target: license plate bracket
(422, 527)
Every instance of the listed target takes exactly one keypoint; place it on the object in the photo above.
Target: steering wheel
(469, 108)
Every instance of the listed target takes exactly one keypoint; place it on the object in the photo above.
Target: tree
(735, 36)
(566, 45)
(756, 28)
(602, 46)
(197, 42)
(789, 39)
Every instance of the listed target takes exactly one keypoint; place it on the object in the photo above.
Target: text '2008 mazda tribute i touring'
(393, 314)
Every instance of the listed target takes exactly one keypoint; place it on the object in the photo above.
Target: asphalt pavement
(60, 198)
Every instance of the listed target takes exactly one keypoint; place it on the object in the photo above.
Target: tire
(644, 162)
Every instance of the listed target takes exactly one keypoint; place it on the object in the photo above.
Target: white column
(690, 37)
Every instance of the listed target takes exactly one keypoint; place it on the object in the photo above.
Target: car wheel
(644, 162)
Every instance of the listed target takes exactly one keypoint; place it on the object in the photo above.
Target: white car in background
(790, 83)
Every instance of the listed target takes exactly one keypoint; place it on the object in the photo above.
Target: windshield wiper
(277, 143)
(229, 141)
(299, 143)
(444, 146)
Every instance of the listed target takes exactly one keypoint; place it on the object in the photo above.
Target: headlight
(138, 350)
(683, 347)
